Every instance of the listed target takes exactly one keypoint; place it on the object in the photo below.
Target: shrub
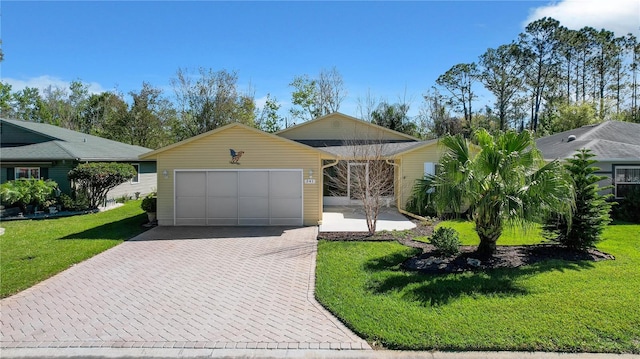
(446, 240)
(81, 203)
(124, 198)
(97, 178)
(628, 208)
(24, 192)
(421, 200)
(591, 213)
(150, 203)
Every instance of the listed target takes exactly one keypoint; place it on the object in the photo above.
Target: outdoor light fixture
(165, 174)
(310, 173)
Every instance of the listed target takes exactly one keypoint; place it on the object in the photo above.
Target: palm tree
(506, 183)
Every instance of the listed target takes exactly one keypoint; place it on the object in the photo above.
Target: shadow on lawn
(119, 230)
(440, 289)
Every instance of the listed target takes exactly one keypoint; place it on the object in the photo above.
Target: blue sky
(391, 49)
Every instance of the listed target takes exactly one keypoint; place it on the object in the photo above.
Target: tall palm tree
(506, 183)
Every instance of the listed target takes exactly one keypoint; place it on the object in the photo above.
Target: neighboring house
(615, 144)
(38, 150)
(237, 175)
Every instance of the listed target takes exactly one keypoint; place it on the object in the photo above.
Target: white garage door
(232, 198)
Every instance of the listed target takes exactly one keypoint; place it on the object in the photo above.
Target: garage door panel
(190, 207)
(222, 221)
(190, 184)
(285, 184)
(222, 184)
(253, 207)
(286, 208)
(253, 183)
(222, 207)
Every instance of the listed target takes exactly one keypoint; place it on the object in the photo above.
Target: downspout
(330, 165)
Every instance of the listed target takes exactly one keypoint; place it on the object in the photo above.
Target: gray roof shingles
(386, 149)
(610, 140)
(68, 144)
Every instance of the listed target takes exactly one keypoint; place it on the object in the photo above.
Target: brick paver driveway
(187, 288)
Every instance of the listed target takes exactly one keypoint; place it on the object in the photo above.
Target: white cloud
(42, 82)
(620, 16)
(261, 101)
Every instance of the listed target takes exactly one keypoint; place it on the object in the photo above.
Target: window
(627, 177)
(429, 168)
(136, 178)
(27, 172)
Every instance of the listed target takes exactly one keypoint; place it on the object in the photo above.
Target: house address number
(309, 181)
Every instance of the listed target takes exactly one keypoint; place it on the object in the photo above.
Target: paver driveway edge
(311, 297)
(95, 353)
(60, 313)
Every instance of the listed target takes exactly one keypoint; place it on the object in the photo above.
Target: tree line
(548, 80)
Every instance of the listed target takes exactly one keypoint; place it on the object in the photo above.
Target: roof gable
(12, 134)
(219, 131)
(71, 144)
(338, 126)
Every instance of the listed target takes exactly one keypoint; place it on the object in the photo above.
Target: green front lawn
(551, 306)
(509, 237)
(34, 250)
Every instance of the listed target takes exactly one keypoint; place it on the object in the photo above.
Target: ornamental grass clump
(446, 240)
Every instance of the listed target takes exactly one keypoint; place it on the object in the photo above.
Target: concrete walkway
(352, 219)
(186, 288)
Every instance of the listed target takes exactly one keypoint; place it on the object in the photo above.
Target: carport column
(399, 175)
(321, 190)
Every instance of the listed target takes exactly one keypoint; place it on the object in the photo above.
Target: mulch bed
(430, 261)
(401, 236)
(505, 257)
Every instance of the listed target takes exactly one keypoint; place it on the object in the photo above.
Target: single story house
(237, 175)
(615, 144)
(38, 150)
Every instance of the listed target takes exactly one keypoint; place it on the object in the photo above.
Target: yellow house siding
(340, 127)
(260, 152)
(412, 168)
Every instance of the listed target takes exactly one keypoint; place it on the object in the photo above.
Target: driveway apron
(183, 287)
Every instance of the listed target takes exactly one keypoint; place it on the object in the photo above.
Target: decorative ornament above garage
(235, 156)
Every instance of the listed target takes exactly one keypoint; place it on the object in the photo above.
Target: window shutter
(44, 172)
(11, 173)
(429, 168)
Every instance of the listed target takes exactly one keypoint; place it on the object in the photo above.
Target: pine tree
(591, 213)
